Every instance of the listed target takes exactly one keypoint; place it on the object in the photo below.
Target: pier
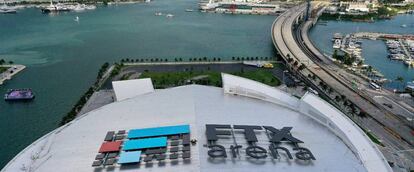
(378, 35)
(10, 72)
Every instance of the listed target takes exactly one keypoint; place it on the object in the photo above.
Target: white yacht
(7, 10)
(54, 8)
(337, 44)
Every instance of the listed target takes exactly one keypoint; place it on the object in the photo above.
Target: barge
(19, 94)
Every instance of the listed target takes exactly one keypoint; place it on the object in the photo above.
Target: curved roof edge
(319, 110)
(345, 129)
(245, 87)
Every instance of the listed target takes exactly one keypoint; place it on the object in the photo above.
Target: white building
(244, 126)
(355, 6)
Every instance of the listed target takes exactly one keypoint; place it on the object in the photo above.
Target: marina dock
(9, 73)
(400, 47)
(378, 35)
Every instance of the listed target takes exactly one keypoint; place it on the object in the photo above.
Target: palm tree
(369, 70)
(400, 79)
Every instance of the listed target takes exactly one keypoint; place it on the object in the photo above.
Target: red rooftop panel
(110, 147)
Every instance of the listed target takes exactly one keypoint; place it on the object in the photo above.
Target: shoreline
(10, 72)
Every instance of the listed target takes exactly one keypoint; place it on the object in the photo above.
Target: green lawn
(260, 75)
(172, 79)
(2, 69)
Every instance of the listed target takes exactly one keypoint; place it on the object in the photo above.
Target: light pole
(283, 76)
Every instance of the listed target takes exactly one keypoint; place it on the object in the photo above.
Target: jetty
(10, 72)
(378, 35)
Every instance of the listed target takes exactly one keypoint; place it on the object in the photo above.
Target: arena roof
(336, 143)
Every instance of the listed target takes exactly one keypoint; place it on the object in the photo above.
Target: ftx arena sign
(226, 140)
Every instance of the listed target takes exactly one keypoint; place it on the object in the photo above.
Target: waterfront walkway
(195, 63)
(9, 73)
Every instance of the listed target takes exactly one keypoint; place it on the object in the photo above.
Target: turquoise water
(374, 52)
(63, 56)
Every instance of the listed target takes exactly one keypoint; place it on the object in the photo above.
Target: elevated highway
(290, 38)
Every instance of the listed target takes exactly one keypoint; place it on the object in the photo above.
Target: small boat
(337, 36)
(54, 8)
(404, 26)
(19, 94)
(189, 10)
(158, 14)
(7, 10)
(337, 44)
(76, 19)
(170, 15)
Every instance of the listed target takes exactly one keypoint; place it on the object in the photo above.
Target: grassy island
(3, 69)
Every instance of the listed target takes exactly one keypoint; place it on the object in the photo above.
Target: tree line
(85, 97)
(194, 59)
(3, 62)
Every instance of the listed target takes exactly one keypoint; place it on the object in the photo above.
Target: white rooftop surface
(336, 143)
(132, 88)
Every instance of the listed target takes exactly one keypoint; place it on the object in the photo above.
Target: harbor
(400, 48)
(348, 52)
(251, 7)
(59, 7)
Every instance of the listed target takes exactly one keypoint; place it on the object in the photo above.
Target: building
(355, 6)
(244, 126)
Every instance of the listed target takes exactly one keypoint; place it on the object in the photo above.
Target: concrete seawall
(9, 73)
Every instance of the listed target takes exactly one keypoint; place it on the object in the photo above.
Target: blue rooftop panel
(158, 131)
(129, 157)
(145, 143)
